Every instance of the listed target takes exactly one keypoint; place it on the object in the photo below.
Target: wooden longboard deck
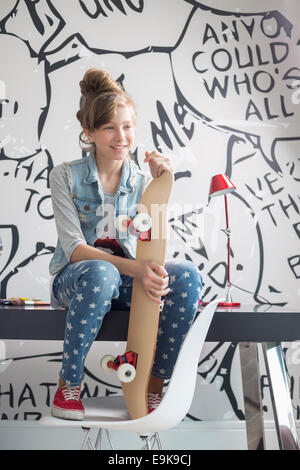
(144, 313)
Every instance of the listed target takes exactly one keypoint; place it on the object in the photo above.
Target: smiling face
(114, 139)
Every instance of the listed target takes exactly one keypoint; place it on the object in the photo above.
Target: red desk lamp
(221, 185)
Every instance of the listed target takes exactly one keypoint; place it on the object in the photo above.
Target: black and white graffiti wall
(217, 87)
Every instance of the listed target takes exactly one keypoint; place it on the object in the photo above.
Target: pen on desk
(36, 302)
(23, 301)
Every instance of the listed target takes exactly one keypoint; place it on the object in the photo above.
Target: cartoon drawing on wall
(217, 88)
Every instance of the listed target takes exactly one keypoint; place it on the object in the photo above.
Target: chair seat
(96, 409)
(111, 408)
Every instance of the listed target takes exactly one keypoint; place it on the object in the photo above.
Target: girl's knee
(185, 271)
(193, 271)
(101, 271)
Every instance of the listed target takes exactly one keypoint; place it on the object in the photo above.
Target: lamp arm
(228, 239)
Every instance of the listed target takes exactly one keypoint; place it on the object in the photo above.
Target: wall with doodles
(217, 87)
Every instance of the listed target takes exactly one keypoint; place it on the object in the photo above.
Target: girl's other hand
(157, 163)
(153, 278)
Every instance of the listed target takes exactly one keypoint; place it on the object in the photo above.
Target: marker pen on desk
(36, 302)
(21, 301)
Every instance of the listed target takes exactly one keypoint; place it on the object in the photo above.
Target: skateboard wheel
(122, 222)
(142, 222)
(104, 362)
(126, 372)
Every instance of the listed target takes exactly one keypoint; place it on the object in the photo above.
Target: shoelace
(154, 400)
(71, 393)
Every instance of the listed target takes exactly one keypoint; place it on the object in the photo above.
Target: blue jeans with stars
(90, 289)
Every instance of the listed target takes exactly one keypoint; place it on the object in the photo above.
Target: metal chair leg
(98, 443)
(87, 441)
(86, 437)
(158, 442)
(108, 438)
(150, 441)
(146, 441)
(280, 397)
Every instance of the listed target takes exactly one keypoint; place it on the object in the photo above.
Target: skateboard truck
(139, 226)
(124, 365)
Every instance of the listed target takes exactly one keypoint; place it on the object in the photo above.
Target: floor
(188, 435)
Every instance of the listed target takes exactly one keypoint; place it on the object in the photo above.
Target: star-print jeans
(90, 289)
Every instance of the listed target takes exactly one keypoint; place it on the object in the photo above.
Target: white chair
(111, 412)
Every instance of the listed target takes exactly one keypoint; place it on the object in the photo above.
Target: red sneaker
(154, 400)
(67, 403)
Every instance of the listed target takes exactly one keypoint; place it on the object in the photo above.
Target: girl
(94, 264)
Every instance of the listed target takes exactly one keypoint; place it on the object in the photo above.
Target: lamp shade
(220, 185)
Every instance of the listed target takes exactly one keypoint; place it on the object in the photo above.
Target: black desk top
(257, 323)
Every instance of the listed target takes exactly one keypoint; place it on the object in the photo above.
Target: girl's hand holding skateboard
(154, 279)
(157, 163)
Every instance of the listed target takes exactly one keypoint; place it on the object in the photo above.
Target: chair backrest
(181, 388)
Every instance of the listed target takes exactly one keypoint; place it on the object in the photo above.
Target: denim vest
(88, 196)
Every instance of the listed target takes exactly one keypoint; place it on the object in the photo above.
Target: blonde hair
(101, 96)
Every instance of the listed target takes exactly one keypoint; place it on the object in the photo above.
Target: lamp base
(228, 301)
(229, 304)
(222, 304)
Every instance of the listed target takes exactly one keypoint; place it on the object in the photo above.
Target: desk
(247, 325)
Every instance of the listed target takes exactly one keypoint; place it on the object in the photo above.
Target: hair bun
(96, 81)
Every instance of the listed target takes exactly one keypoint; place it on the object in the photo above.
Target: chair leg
(146, 440)
(98, 443)
(109, 440)
(150, 441)
(158, 441)
(87, 441)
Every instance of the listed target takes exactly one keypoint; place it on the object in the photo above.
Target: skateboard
(135, 366)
